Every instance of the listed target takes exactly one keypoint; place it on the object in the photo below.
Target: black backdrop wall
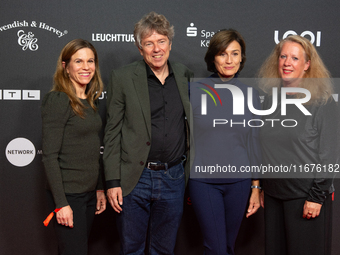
(32, 34)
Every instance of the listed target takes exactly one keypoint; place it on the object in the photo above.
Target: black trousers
(73, 241)
(288, 233)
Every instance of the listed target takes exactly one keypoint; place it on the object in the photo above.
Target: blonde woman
(298, 211)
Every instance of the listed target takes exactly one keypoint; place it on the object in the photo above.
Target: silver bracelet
(255, 187)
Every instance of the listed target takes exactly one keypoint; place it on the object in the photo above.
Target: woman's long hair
(320, 86)
(63, 83)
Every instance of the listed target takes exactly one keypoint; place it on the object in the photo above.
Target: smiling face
(81, 67)
(155, 50)
(227, 63)
(292, 63)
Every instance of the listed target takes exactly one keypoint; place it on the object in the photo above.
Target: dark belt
(162, 166)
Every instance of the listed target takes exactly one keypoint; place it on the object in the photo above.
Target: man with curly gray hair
(146, 141)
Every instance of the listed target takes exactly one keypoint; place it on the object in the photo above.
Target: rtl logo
(17, 94)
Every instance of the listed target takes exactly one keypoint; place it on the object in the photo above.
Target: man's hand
(115, 197)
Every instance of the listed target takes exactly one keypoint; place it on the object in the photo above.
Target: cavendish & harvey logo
(26, 39)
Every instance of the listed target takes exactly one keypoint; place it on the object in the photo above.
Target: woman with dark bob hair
(298, 207)
(71, 145)
(219, 197)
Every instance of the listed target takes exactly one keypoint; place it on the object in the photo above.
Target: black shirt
(312, 142)
(167, 118)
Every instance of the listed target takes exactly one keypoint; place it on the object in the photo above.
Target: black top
(232, 146)
(71, 147)
(167, 119)
(314, 140)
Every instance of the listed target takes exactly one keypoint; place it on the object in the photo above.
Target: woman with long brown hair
(71, 145)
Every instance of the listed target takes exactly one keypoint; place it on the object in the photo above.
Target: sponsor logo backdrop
(32, 34)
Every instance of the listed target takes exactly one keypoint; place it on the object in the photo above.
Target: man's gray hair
(152, 22)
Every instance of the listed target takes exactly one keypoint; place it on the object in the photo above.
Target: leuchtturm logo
(100, 37)
(204, 98)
